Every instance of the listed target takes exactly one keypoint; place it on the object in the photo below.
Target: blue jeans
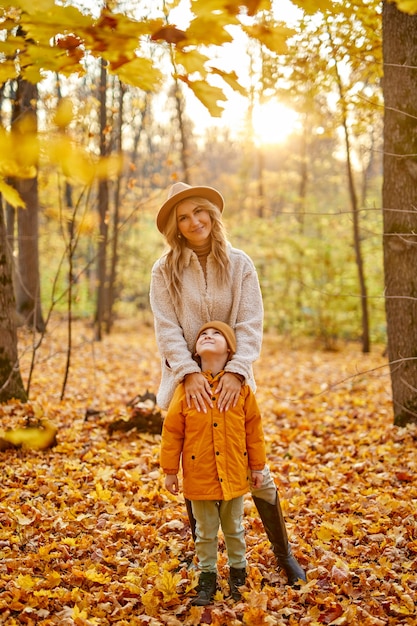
(209, 514)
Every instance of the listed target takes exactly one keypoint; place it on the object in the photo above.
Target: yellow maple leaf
(32, 437)
(13, 160)
(191, 60)
(8, 71)
(44, 551)
(327, 532)
(207, 94)
(313, 6)
(11, 196)
(103, 494)
(96, 576)
(209, 30)
(273, 36)
(257, 600)
(64, 113)
(407, 6)
(255, 616)
(53, 579)
(402, 609)
(231, 79)
(232, 7)
(194, 616)
(25, 581)
(151, 568)
(138, 72)
(69, 541)
(167, 584)
(110, 167)
(151, 603)
(79, 614)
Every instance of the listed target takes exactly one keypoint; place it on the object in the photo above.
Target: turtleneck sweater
(202, 253)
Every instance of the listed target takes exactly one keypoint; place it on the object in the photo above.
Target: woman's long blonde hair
(175, 256)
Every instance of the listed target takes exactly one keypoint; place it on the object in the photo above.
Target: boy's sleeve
(255, 441)
(173, 430)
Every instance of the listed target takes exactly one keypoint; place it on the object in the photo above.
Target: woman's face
(194, 222)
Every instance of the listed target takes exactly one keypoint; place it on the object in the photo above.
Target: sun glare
(273, 122)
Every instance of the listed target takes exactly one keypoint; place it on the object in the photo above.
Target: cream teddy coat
(239, 305)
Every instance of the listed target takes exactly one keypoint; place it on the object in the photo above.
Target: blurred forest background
(103, 105)
(96, 141)
(288, 204)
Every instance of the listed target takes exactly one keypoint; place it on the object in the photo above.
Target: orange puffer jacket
(218, 449)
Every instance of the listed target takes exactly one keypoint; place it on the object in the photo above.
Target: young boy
(220, 452)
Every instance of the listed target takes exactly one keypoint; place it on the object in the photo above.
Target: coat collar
(212, 378)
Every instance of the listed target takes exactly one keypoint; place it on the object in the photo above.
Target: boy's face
(211, 341)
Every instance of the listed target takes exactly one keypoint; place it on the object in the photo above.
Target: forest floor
(89, 536)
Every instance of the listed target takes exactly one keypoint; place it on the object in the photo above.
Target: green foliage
(305, 260)
(309, 281)
(142, 244)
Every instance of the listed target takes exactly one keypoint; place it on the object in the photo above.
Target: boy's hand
(257, 479)
(171, 483)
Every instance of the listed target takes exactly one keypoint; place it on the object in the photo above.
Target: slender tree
(11, 384)
(28, 296)
(103, 208)
(353, 195)
(114, 240)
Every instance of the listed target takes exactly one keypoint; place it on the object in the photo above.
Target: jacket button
(193, 457)
(213, 398)
(245, 453)
(215, 424)
(217, 453)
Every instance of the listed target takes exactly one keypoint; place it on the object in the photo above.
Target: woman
(200, 278)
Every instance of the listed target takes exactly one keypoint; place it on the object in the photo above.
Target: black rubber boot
(190, 517)
(274, 524)
(206, 589)
(237, 578)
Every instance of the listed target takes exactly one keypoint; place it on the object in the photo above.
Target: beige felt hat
(181, 191)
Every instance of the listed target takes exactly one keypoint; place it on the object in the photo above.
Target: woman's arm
(248, 315)
(172, 346)
(168, 332)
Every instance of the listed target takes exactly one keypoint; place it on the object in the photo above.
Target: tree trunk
(27, 287)
(400, 201)
(103, 207)
(116, 216)
(11, 385)
(302, 190)
(184, 149)
(366, 342)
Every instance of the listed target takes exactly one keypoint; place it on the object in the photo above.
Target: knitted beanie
(227, 332)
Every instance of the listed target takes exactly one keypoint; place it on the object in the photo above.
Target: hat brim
(202, 192)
